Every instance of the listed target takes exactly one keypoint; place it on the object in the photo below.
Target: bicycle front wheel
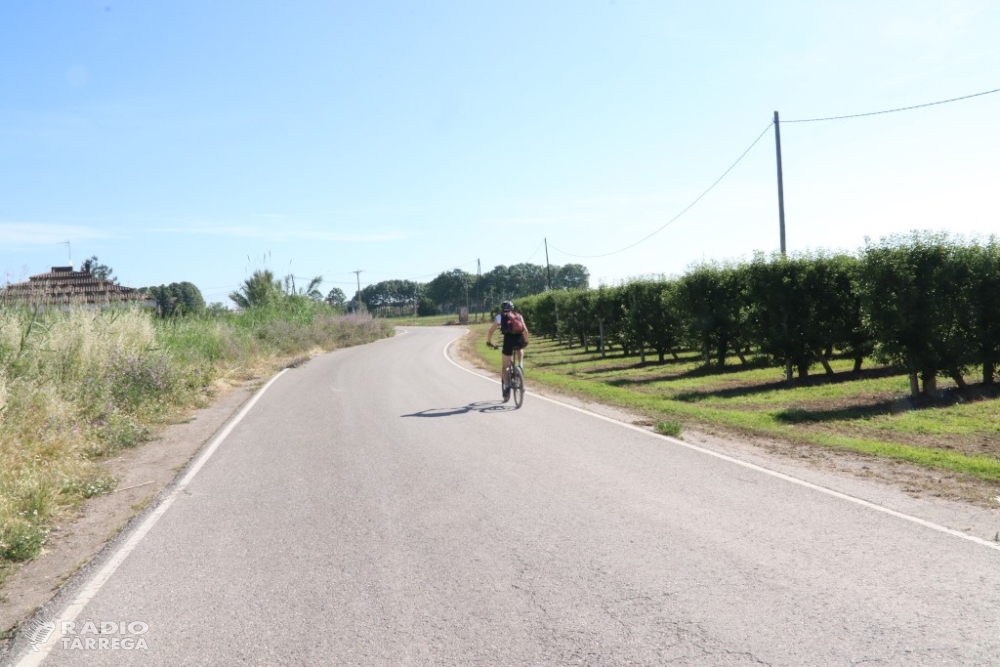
(517, 386)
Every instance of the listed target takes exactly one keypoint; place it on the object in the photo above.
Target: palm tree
(260, 289)
(310, 291)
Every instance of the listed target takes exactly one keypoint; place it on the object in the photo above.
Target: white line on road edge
(94, 585)
(773, 473)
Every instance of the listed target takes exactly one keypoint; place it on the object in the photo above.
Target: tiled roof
(64, 286)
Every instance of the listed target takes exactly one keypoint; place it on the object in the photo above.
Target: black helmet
(506, 305)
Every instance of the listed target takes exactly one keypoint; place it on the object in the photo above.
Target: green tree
(390, 293)
(784, 294)
(983, 316)
(426, 307)
(177, 299)
(336, 298)
(712, 300)
(570, 277)
(100, 271)
(667, 325)
(449, 289)
(916, 294)
(260, 289)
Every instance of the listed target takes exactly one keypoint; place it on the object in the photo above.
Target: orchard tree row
(928, 303)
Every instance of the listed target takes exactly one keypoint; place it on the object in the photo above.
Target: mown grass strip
(574, 373)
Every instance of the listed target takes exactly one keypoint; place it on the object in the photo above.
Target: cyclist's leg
(508, 352)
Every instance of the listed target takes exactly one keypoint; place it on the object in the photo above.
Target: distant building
(63, 287)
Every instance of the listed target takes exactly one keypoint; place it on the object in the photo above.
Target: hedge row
(925, 302)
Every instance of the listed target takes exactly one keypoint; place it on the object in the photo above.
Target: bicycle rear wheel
(517, 386)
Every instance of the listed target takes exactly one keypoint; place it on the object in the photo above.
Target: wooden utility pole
(357, 298)
(548, 278)
(781, 221)
(781, 184)
(548, 271)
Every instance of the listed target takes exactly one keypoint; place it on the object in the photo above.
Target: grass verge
(867, 412)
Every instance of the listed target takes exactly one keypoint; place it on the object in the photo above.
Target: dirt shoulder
(142, 473)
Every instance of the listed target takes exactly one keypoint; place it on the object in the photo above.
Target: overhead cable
(877, 113)
(676, 217)
(528, 261)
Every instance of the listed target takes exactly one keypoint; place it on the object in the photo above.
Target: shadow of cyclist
(480, 406)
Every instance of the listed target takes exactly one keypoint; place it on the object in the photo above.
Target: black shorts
(513, 342)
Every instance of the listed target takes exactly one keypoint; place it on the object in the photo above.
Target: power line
(877, 113)
(528, 261)
(686, 209)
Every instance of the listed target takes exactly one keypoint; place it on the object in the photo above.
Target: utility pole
(467, 307)
(548, 278)
(781, 224)
(781, 185)
(548, 271)
(479, 289)
(357, 306)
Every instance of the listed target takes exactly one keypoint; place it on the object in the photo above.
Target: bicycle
(515, 376)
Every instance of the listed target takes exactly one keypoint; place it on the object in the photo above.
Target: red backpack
(511, 323)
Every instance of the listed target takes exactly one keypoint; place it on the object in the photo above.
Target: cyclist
(515, 338)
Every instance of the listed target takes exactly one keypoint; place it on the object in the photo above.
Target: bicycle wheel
(517, 386)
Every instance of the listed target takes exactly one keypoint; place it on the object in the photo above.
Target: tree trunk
(739, 353)
(857, 364)
(789, 371)
(914, 386)
(959, 380)
(600, 327)
(803, 370)
(930, 384)
(673, 353)
(826, 365)
(988, 371)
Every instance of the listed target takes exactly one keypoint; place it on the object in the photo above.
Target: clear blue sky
(198, 141)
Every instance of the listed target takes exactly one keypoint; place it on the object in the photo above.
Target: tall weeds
(78, 386)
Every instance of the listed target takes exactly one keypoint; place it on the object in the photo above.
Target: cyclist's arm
(489, 336)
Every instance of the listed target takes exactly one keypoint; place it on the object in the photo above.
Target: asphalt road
(380, 506)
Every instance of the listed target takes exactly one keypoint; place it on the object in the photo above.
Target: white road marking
(94, 585)
(773, 473)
